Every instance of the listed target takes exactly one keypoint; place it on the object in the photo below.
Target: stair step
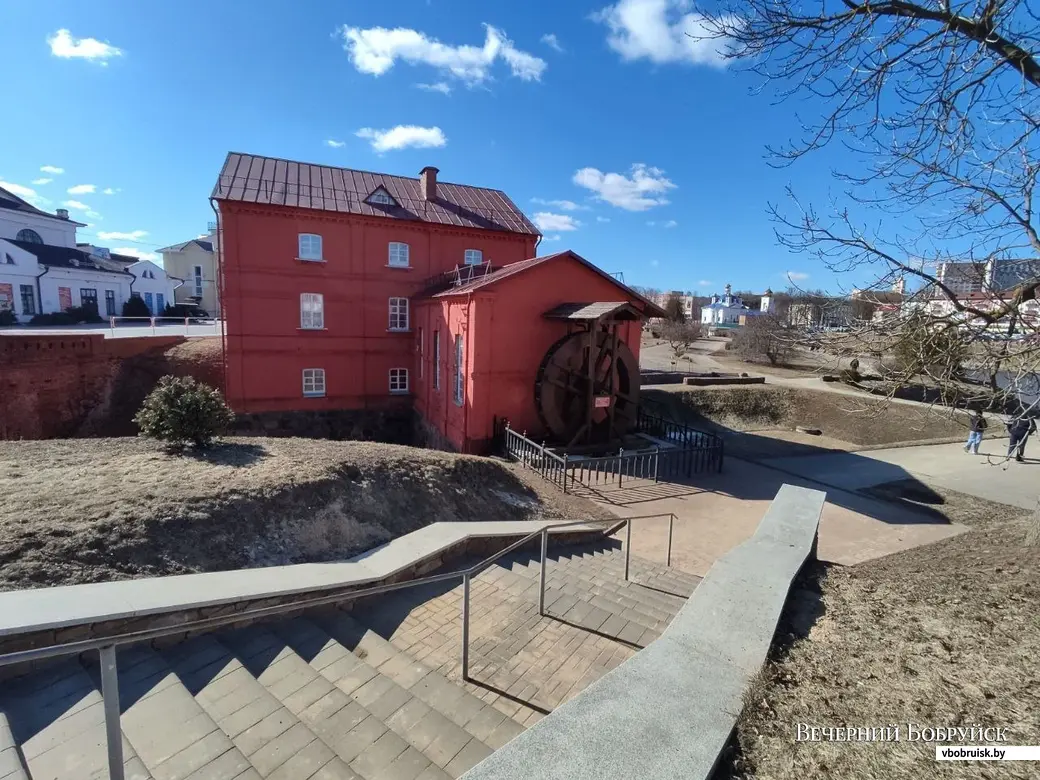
(673, 583)
(360, 740)
(480, 719)
(347, 655)
(277, 743)
(172, 734)
(626, 595)
(56, 718)
(587, 606)
(384, 741)
(682, 582)
(11, 766)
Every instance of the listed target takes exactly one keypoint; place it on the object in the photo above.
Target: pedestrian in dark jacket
(976, 425)
(1019, 428)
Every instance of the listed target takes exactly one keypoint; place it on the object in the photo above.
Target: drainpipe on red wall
(467, 352)
(221, 322)
(39, 289)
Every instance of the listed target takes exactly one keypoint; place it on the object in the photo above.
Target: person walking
(976, 425)
(1019, 428)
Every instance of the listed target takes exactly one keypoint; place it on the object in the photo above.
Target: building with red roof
(349, 291)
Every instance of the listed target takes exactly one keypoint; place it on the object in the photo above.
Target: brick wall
(50, 385)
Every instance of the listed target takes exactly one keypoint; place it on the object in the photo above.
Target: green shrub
(136, 307)
(57, 318)
(7, 318)
(85, 313)
(182, 411)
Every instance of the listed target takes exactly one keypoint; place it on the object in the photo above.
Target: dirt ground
(847, 420)
(99, 509)
(942, 635)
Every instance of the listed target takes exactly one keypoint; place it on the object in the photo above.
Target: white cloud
(603, 219)
(550, 40)
(65, 46)
(670, 224)
(797, 276)
(133, 235)
(376, 49)
(81, 189)
(54, 171)
(661, 31)
(643, 190)
(402, 137)
(80, 206)
(551, 238)
(334, 143)
(561, 222)
(441, 86)
(110, 191)
(132, 252)
(704, 283)
(566, 205)
(25, 193)
(42, 181)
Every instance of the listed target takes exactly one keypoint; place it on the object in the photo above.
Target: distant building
(44, 271)
(985, 286)
(690, 304)
(195, 262)
(728, 309)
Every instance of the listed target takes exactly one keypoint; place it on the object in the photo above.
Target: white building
(44, 271)
(729, 308)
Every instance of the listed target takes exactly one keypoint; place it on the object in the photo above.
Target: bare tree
(943, 102)
(763, 338)
(680, 335)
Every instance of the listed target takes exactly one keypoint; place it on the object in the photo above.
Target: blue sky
(633, 145)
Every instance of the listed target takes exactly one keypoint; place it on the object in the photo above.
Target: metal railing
(106, 646)
(687, 451)
(536, 456)
(198, 326)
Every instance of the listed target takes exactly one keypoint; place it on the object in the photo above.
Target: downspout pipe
(39, 289)
(221, 300)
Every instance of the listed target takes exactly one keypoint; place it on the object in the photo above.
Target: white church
(729, 308)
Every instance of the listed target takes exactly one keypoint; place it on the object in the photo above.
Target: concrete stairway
(374, 694)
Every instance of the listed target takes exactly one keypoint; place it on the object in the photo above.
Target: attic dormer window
(29, 235)
(382, 197)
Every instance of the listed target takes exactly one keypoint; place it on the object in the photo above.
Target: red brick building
(348, 290)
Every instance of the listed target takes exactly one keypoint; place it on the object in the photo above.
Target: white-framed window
(436, 360)
(313, 382)
(398, 255)
(398, 314)
(459, 373)
(381, 196)
(474, 257)
(312, 311)
(310, 246)
(398, 380)
(196, 276)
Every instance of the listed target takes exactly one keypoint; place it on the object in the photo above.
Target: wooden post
(566, 458)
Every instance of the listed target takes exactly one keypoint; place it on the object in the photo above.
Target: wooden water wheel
(587, 388)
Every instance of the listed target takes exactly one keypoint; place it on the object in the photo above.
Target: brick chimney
(428, 182)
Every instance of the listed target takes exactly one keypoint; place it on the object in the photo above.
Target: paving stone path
(375, 693)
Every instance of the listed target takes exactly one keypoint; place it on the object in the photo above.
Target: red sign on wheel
(602, 401)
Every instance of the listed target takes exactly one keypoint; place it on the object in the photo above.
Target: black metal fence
(685, 451)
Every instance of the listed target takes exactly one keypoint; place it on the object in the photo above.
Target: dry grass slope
(101, 509)
(943, 635)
